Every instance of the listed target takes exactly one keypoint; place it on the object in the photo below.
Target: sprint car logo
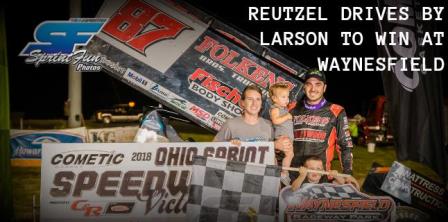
(56, 42)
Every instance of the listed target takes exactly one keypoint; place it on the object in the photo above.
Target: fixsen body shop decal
(184, 61)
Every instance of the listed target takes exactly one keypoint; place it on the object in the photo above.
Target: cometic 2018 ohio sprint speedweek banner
(183, 58)
(128, 181)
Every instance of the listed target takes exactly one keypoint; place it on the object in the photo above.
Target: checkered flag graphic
(228, 191)
(330, 191)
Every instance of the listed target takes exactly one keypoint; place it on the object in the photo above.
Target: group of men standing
(319, 127)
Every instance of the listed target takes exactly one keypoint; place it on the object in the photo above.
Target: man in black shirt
(320, 127)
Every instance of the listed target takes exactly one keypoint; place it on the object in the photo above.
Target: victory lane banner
(331, 202)
(128, 181)
(187, 60)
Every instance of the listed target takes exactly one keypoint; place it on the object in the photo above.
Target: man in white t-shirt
(250, 127)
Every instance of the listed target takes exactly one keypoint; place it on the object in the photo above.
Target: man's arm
(345, 143)
(276, 118)
(224, 134)
(343, 180)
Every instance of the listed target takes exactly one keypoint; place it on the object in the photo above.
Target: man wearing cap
(320, 127)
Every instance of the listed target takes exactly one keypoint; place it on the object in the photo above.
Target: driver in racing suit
(320, 127)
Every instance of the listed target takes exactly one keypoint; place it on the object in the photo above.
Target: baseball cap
(315, 73)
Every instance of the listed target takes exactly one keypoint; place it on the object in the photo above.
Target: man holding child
(319, 127)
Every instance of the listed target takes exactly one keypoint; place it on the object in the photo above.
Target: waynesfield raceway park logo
(61, 42)
(330, 202)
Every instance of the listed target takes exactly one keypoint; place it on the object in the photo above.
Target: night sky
(40, 92)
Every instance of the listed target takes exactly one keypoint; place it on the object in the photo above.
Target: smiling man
(320, 127)
(249, 127)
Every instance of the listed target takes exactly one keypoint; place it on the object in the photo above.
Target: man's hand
(236, 142)
(353, 181)
(338, 179)
(283, 144)
(333, 173)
